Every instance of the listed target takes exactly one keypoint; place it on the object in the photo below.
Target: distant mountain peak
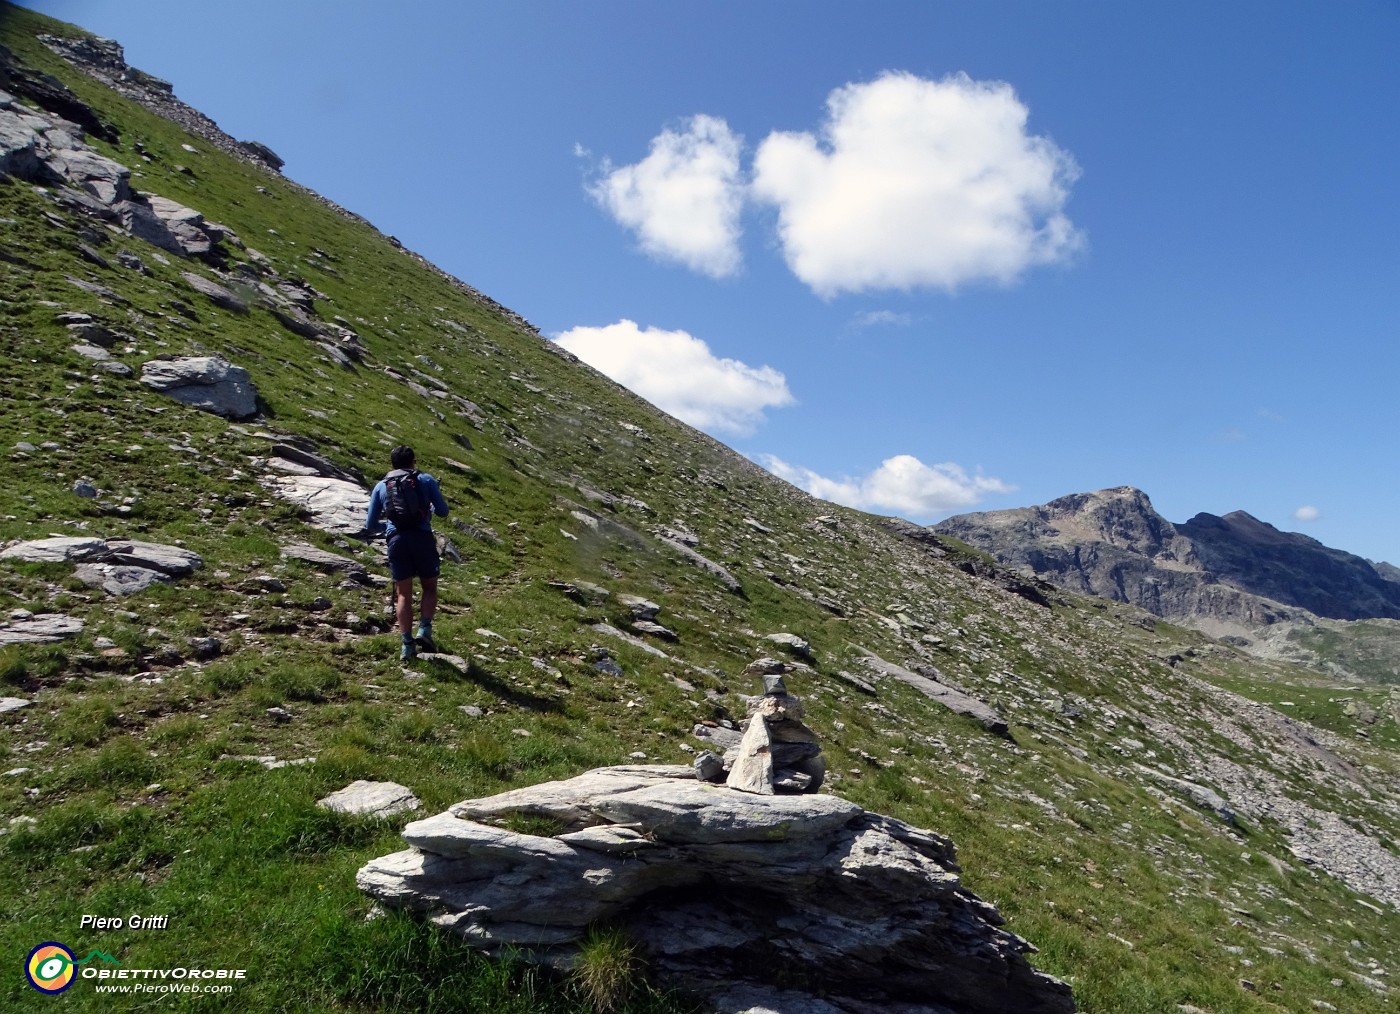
(1234, 573)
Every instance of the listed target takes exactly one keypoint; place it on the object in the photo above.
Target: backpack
(406, 504)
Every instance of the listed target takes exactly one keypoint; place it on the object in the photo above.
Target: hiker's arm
(373, 524)
(439, 504)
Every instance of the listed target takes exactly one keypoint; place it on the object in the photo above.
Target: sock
(425, 628)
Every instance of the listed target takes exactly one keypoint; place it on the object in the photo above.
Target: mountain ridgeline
(1017, 796)
(1232, 576)
(1113, 543)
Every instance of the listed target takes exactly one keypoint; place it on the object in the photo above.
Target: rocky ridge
(1229, 576)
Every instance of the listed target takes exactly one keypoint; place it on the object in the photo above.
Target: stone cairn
(778, 753)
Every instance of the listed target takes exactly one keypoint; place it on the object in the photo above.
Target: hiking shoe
(408, 653)
(426, 642)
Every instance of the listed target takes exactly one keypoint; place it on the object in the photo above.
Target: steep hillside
(1176, 825)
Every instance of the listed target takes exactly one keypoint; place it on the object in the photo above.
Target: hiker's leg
(430, 596)
(403, 607)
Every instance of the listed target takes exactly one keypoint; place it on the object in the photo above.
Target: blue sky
(921, 257)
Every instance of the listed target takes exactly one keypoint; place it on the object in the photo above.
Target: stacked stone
(778, 753)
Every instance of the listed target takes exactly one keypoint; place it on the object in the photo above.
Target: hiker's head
(403, 457)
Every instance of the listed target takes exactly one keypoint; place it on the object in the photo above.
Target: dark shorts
(413, 554)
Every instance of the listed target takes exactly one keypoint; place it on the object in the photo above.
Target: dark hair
(403, 457)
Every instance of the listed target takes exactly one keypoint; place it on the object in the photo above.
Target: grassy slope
(1137, 900)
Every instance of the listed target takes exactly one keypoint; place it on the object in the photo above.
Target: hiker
(403, 503)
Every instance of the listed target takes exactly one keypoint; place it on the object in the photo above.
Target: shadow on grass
(446, 672)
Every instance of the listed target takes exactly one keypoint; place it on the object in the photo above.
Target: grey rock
(636, 642)
(205, 648)
(654, 630)
(172, 560)
(56, 550)
(794, 644)
(709, 767)
(84, 489)
(729, 581)
(93, 334)
(106, 180)
(45, 629)
(115, 579)
(951, 699)
(187, 226)
(752, 767)
(322, 558)
(727, 892)
(766, 667)
(371, 799)
(335, 505)
(8, 704)
(720, 737)
(216, 293)
(640, 608)
(94, 352)
(1207, 799)
(209, 383)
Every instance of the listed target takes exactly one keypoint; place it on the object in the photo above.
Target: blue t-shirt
(375, 522)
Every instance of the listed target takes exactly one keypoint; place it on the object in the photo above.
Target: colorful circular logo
(50, 968)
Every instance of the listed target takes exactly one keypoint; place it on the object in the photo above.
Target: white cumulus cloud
(1307, 512)
(678, 373)
(901, 485)
(916, 183)
(683, 200)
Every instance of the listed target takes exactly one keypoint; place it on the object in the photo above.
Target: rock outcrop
(209, 383)
(117, 566)
(722, 890)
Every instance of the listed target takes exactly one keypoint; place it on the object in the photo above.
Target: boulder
(335, 505)
(118, 580)
(726, 893)
(209, 383)
(371, 799)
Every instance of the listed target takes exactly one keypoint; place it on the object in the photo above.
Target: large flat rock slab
(724, 890)
(56, 550)
(335, 505)
(48, 628)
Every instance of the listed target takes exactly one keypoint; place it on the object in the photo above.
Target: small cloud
(915, 183)
(1307, 513)
(881, 318)
(1269, 415)
(901, 485)
(683, 200)
(1234, 435)
(679, 374)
